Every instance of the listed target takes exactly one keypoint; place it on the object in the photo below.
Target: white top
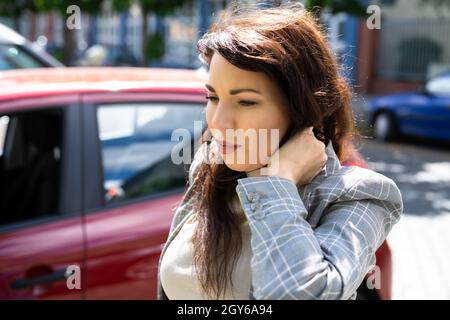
(177, 272)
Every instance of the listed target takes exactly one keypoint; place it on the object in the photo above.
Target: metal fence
(413, 48)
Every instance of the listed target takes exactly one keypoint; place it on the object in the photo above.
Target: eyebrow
(235, 91)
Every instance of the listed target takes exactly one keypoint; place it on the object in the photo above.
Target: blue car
(425, 113)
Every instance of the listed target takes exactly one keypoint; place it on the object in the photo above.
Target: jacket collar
(331, 167)
(333, 163)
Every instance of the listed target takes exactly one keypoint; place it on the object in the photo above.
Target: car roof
(443, 74)
(53, 81)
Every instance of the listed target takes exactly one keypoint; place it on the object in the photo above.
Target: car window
(136, 144)
(15, 57)
(30, 167)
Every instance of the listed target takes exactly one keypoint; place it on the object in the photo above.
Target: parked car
(87, 181)
(425, 113)
(107, 55)
(16, 52)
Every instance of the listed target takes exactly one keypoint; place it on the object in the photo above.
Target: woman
(306, 227)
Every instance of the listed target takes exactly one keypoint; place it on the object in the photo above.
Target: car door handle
(57, 275)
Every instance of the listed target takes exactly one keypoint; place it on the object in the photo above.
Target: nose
(222, 118)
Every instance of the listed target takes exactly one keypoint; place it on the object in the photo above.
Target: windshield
(15, 57)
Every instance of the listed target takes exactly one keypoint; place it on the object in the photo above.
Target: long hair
(287, 44)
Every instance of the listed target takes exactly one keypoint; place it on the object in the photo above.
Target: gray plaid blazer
(314, 241)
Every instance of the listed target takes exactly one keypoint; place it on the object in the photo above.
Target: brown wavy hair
(287, 44)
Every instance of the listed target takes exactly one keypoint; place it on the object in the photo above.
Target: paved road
(420, 242)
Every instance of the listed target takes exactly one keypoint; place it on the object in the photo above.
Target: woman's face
(246, 113)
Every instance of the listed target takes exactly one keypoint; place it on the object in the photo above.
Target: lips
(227, 147)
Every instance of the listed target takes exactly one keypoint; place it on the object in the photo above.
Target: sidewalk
(421, 257)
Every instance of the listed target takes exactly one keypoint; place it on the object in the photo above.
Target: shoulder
(356, 183)
(351, 182)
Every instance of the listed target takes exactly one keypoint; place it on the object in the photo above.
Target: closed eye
(212, 98)
(244, 103)
(247, 103)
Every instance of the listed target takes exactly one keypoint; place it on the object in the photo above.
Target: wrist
(283, 174)
(273, 173)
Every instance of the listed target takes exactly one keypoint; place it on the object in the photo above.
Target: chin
(242, 167)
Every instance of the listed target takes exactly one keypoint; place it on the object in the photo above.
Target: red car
(87, 185)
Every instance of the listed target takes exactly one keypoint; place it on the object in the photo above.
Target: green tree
(153, 46)
(14, 9)
(60, 6)
(353, 7)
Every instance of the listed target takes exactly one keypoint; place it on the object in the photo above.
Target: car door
(132, 186)
(428, 113)
(439, 111)
(425, 115)
(41, 234)
(438, 90)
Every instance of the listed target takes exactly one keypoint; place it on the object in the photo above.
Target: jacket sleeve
(291, 260)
